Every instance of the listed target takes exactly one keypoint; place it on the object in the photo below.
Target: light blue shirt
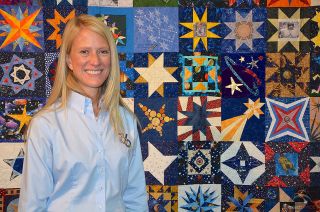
(74, 162)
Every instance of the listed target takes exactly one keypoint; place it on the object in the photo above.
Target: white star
(233, 86)
(316, 168)
(16, 78)
(253, 63)
(155, 75)
(241, 59)
(156, 163)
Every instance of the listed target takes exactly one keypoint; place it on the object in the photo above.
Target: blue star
(16, 164)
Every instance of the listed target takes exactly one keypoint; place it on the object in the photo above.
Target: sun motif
(244, 30)
(200, 29)
(288, 29)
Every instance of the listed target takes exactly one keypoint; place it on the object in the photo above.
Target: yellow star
(253, 108)
(156, 75)
(56, 35)
(200, 29)
(316, 18)
(316, 40)
(234, 86)
(23, 118)
(157, 119)
(20, 28)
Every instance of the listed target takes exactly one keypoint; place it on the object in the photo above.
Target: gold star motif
(253, 203)
(23, 118)
(20, 28)
(234, 86)
(200, 29)
(16, 78)
(253, 108)
(157, 119)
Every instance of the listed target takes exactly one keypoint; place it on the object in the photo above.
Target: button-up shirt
(75, 162)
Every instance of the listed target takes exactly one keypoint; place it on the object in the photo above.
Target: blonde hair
(65, 82)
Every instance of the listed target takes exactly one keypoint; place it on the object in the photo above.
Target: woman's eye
(84, 52)
(104, 52)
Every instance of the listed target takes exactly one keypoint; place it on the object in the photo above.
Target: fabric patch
(243, 75)
(278, 199)
(11, 164)
(159, 161)
(287, 164)
(127, 75)
(288, 3)
(21, 3)
(163, 198)
(198, 163)
(155, 3)
(242, 163)
(21, 29)
(315, 75)
(314, 163)
(199, 3)
(159, 74)
(111, 3)
(157, 118)
(129, 102)
(120, 22)
(287, 119)
(9, 199)
(245, 30)
(15, 117)
(288, 30)
(156, 29)
(22, 74)
(199, 118)
(51, 61)
(315, 119)
(245, 3)
(287, 74)
(203, 197)
(55, 21)
(200, 75)
(199, 29)
(315, 29)
(54, 3)
(247, 198)
(242, 120)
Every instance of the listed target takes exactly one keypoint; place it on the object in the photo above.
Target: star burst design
(244, 30)
(243, 201)
(20, 29)
(200, 29)
(200, 201)
(27, 81)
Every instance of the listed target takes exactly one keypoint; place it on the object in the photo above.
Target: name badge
(124, 139)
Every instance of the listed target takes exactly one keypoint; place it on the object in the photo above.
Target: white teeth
(93, 72)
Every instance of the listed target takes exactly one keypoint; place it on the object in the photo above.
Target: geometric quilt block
(199, 118)
(314, 119)
(127, 75)
(200, 75)
(9, 199)
(315, 74)
(163, 198)
(288, 3)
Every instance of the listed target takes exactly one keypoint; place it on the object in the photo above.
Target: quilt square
(15, 117)
(157, 118)
(22, 75)
(199, 29)
(21, 29)
(160, 162)
(288, 29)
(287, 164)
(203, 197)
(246, 198)
(127, 75)
(288, 3)
(156, 29)
(314, 163)
(21, 3)
(155, 3)
(314, 119)
(245, 30)
(111, 3)
(55, 3)
(242, 163)
(199, 118)
(163, 198)
(287, 119)
(55, 20)
(200, 75)
(315, 29)
(9, 199)
(242, 119)
(315, 75)
(51, 61)
(198, 163)
(159, 75)
(243, 75)
(120, 22)
(199, 3)
(11, 164)
(287, 74)
(246, 3)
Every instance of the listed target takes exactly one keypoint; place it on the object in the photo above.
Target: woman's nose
(94, 59)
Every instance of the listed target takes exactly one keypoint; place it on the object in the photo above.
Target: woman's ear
(69, 62)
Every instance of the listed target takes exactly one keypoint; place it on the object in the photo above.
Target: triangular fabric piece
(276, 182)
(298, 146)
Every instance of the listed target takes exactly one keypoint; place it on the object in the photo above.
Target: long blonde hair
(65, 82)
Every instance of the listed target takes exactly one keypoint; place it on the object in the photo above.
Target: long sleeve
(37, 180)
(135, 195)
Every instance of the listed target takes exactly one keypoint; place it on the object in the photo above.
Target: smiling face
(89, 60)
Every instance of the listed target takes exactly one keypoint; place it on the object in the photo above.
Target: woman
(83, 151)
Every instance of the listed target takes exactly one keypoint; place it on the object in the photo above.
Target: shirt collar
(80, 103)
